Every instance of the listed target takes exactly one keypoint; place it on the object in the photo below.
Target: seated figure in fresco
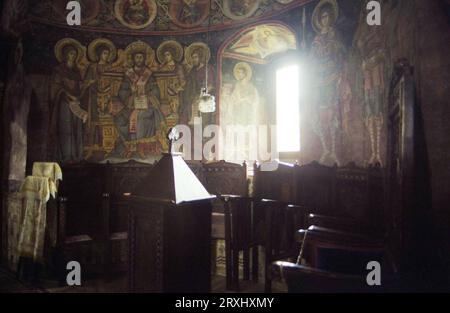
(327, 57)
(140, 119)
(67, 115)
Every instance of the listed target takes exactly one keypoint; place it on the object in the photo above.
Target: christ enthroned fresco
(118, 104)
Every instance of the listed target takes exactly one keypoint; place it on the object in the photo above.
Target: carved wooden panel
(275, 185)
(223, 178)
(146, 249)
(82, 185)
(315, 187)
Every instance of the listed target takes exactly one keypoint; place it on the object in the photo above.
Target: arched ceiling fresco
(255, 44)
(159, 17)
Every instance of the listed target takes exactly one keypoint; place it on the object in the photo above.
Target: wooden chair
(274, 231)
(348, 225)
(359, 195)
(121, 179)
(231, 214)
(276, 220)
(275, 181)
(78, 213)
(303, 279)
(315, 188)
(237, 231)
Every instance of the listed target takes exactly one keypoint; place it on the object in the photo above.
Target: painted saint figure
(170, 78)
(189, 13)
(245, 96)
(102, 52)
(327, 55)
(197, 57)
(136, 13)
(67, 115)
(140, 118)
(373, 66)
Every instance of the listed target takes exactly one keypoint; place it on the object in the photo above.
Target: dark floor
(10, 284)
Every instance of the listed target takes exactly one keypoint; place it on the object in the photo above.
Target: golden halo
(318, 9)
(246, 67)
(197, 46)
(174, 47)
(60, 45)
(92, 49)
(142, 47)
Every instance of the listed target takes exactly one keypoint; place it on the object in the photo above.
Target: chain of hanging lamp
(207, 102)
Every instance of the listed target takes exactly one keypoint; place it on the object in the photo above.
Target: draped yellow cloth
(35, 193)
(50, 170)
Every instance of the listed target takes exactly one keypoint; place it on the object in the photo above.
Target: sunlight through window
(288, 114)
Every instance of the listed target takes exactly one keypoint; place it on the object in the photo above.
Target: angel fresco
(327, 56)
(264, 40)
(67, 114)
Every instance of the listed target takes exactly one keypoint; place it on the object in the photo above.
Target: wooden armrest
(335, 236)
(119, 236)
(78, 239)
(287, 266)
(301, 278)
(342, 224)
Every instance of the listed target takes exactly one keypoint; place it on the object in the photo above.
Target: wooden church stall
(170, 231)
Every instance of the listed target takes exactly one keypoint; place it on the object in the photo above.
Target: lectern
(170, 230)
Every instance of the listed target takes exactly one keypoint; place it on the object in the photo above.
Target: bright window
(287, 109)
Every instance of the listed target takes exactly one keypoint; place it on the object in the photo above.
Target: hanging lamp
(206, 101)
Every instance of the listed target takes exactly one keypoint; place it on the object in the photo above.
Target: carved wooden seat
(78, 235)
(274, 217)
(304, 279)
(359, 195)
(231, 215)
(315, 188)
(342, 224)
(336, 262)
(121, 179)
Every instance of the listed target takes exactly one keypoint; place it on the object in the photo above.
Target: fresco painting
(113, 103)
